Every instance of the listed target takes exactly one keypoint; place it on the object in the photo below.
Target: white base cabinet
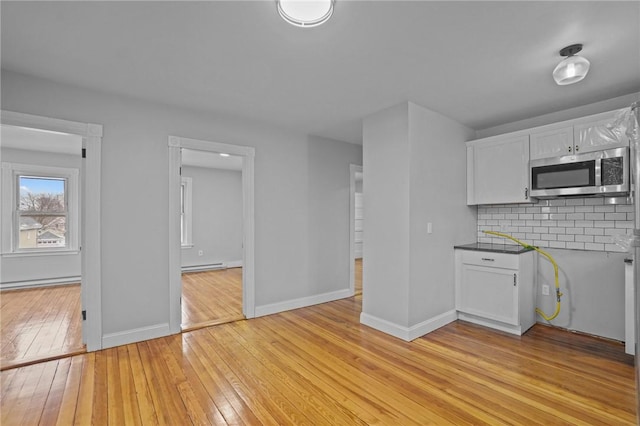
(496, 289)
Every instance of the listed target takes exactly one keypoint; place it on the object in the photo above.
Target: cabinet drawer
(493, 260)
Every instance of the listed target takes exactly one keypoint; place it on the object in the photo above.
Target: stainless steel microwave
(596, 173)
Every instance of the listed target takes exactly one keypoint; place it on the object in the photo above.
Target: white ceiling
(480, 63)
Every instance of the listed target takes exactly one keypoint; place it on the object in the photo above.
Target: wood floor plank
(66, 415)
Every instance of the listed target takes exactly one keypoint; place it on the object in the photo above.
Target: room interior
(403, 89)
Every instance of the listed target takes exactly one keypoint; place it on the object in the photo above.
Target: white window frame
(10, 219)
(187, 212)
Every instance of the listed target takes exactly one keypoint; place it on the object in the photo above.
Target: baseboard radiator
(207, 267)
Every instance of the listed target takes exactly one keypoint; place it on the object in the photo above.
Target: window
(40, 209)
(185, 212)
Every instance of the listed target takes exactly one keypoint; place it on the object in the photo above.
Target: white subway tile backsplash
(624, 208)
(584, 224)
(584, 209)
(594, 216)
(604, 209)
(584, 238)
(559, 216)
(615, 216)
(579, 231)
(594, 201)
(577, 224)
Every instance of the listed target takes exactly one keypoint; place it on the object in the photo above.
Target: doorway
(49, 270)
(356, 228)
(211, 238)
(214, 270)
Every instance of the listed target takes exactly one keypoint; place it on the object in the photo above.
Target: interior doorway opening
(211, 238)
(356, 228)
(212, 272)
(48, 280)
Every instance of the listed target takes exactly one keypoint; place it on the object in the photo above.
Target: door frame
(353, 169)
(90, 284)
(247, 153)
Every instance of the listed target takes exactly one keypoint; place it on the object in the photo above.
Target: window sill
(41, 253)
(187, 246)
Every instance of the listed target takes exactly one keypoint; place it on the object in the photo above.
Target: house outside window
(40, 211)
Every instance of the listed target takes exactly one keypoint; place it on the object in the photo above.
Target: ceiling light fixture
(224, 154)
(305, 13)
(573, 68)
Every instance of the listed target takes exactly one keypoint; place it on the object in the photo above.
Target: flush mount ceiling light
(573, 68)
(305, 13)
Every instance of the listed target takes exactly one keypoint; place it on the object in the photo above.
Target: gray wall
(217, 216)
(25, 269)
(413, 158)
(301, 197)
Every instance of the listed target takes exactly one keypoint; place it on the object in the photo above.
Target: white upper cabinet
(552, 143)
(599, 134)
(587, 134)
(498, 170)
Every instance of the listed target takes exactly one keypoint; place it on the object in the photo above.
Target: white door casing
(248, 278)
(90, 213)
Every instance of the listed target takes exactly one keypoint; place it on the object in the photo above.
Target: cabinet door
(598, 135)
(552, 143)
(498, 171)
(489, 293)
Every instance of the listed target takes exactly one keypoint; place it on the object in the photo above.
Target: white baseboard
(234, 264)
(39, 283)
(274, 308)
(408, 333)
(135, 335)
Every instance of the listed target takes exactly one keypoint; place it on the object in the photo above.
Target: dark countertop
(495, 248)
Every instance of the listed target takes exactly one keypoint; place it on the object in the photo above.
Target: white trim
(135, 335)
(408, 333)
(247, 153)
(234, 264)
(187, 200)
(11, 238)
(353, 169)
(303, 302)
(90, 213)
(15, 285)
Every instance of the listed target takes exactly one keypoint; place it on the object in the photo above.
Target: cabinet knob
(569, 149)
(526, 193)
(488, 259)
(514, 279)
(577, 148)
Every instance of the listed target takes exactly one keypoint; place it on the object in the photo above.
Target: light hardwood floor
(319, 365)
(211, 297)
(45, 323)
(39, 323)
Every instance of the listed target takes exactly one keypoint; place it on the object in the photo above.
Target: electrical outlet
(545, 290)
(200, 253)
